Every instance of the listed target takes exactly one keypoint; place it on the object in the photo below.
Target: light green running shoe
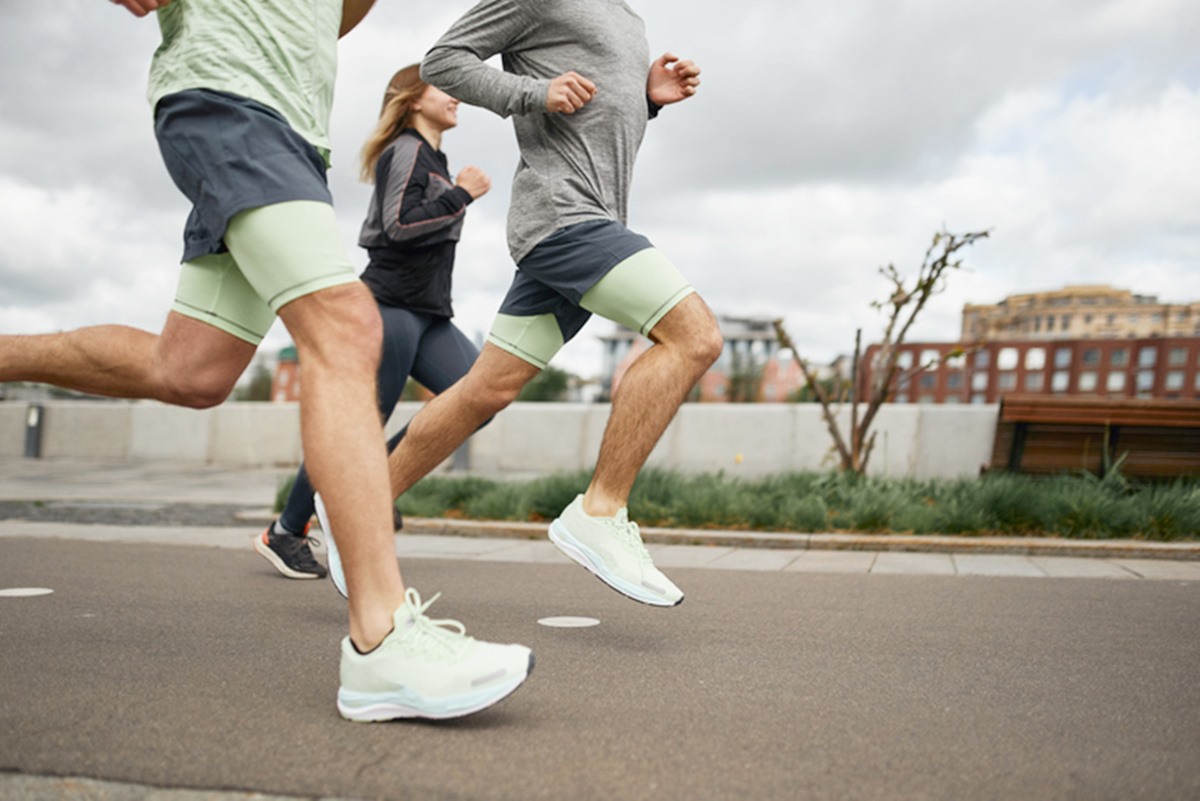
(612, 549)
(427, 669)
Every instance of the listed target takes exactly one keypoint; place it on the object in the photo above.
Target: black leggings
(431, 349)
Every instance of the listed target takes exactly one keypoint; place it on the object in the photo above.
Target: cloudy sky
(828, 139)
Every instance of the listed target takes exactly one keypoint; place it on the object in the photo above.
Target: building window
(1035, 358)
(928, 381)
(1134, 319)
(1112, 319)
(1007, 359)
(1061, 381)
(1066, 321)
(1050, 322)
(979, 382)
(1116, 382)
(1145, 381)
(927, 400)
(1062, 357)
(930, 357)
(1087, 381)
(1119, 357)
(954, 380)
(981, 359)
(904, 359)
(1033, 382)
(1006, 382)
(902, 397)
(1174, 381)
(1177, 357)
(1037, 323)
(1091, 357)
(979, 398)
(1147, 356)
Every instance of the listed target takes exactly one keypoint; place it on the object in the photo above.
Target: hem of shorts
(524, 355)
(309, 287)
(192, 251)
(666, 307)
(218, 322)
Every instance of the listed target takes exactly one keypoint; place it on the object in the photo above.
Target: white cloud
(827, 140)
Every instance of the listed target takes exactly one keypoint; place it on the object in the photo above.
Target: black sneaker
(289, 554)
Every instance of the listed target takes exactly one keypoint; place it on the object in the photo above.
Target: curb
(912, 543)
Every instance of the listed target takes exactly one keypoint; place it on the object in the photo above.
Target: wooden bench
(1046, 434)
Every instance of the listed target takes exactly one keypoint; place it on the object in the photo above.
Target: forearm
(456, 63)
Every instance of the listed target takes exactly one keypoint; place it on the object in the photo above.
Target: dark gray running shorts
(228, 154)
(561, 268)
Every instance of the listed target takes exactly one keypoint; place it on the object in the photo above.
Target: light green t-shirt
(281, 53)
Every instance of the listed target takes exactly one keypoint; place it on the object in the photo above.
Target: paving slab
(688, 555)
(914, 564)
(1081, 567)
(833, 562)
(1161, 569)
(995, 565)
(755, 559)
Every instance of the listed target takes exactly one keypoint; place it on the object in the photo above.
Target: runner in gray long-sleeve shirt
(580, 86)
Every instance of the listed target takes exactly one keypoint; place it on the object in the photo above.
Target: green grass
(1079, 506)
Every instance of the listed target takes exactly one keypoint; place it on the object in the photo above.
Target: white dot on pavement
(569, 622)
(24, 592)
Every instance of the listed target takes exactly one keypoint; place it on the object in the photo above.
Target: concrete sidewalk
(103, 484)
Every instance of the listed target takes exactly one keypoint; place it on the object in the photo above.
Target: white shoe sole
(333, 559)
(382, 710)
(586, 558)
(265, 551)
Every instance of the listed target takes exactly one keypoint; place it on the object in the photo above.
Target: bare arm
(353, 12)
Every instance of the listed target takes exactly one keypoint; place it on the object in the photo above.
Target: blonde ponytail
(404, 88)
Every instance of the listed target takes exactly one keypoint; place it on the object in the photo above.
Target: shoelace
(449, 634)
(630, 535)
(302, 553)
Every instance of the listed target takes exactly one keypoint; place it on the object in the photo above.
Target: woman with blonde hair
(411, 229)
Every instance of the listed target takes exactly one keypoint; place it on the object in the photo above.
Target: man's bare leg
(189, 364)
(338, 334)
(687, 342)
(445, 422)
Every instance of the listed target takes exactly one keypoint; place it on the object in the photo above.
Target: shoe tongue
(404, 617)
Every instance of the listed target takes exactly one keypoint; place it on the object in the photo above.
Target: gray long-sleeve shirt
(573, 167)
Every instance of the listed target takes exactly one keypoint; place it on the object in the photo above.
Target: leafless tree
(901, 308)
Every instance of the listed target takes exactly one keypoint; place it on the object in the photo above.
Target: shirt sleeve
(456, 65)
(410, 211)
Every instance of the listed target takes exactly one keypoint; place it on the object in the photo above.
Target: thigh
(402, 333)
(444, 355)
(289, 250)
(638, 292)
(535, 321)
(213, 291)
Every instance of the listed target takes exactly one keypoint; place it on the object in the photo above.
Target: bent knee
(197, 390)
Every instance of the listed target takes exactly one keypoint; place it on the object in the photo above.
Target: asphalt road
(192, 667)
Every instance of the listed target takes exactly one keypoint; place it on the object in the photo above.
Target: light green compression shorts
(637, 293)
(277, 253)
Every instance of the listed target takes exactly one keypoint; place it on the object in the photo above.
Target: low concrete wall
(526, 439)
